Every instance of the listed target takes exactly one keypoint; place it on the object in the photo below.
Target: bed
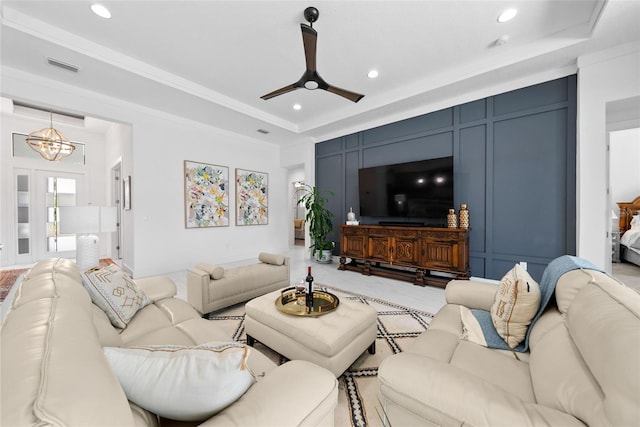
(630, 231)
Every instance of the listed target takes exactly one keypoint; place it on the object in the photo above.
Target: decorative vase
(464, 216)
(452, 219)
(351, 216)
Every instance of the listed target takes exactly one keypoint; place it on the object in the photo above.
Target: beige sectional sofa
(211, 287)
(582, 366)
(54, 370)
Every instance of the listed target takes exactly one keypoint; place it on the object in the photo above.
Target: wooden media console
(414, 254)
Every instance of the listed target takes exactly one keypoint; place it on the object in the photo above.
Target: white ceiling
(212, 60)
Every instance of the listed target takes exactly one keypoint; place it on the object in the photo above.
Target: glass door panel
(54, 189)
(23, 231)
(60, 192)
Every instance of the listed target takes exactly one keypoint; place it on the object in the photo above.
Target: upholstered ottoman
(334, 340)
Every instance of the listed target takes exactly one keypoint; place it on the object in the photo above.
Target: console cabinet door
(406, 250)
(379, 248)
(440, 251)
(354, 243)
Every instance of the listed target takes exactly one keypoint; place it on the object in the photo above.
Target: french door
(53, 190)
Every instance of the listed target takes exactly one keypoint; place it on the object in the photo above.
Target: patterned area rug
(358, 387)
(9, 277)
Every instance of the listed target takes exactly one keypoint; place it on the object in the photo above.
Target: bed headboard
(627, 211)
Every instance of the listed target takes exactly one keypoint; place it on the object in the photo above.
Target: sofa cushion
(516, 302)
(215, 271)
(182, 383)
(268, 258)
(115, 293)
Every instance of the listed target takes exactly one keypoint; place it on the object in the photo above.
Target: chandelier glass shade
(50, 143)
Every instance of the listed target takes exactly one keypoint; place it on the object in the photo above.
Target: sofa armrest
(297, 393)
(456, 397)
(157, 287)
(198, 288)
(472, 294)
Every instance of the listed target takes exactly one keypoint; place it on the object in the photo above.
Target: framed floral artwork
(206, 194)
(252, 197)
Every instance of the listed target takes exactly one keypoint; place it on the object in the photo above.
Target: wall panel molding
(514, 159)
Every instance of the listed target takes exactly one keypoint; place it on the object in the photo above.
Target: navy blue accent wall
(514, 160)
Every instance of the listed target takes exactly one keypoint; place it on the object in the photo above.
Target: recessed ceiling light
(297, 107)
(101, 11)
(372, 74)
(507, 15)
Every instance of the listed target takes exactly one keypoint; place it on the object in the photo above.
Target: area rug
(358, 404)
(9, 277)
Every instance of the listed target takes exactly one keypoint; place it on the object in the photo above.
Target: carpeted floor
(357, 399)
(9, 277)
(627, 273)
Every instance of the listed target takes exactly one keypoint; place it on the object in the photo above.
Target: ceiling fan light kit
(310, 79)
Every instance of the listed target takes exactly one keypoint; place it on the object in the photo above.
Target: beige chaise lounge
(582, 367)
(54, 370)
(211, 287)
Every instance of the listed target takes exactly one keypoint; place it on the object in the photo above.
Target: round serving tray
(293, 301)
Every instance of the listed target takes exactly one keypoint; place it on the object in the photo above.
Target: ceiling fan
(311, 79)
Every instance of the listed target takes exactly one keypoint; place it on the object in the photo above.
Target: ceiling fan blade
(280, 91)
(351, 96)
(309, 40)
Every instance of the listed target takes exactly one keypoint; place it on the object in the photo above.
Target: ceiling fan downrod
(311, 14)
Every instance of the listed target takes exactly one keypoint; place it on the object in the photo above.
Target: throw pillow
(115, 293)
(215, 272)
(274, 259)
(516, 303)
(182, 383)
(635, 222)
(471, 328)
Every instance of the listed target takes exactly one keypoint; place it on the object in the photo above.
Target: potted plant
(320, 221)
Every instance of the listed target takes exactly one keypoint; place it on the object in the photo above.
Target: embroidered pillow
(516, 303)
(215, 272)
(182, 383)
(115, 293)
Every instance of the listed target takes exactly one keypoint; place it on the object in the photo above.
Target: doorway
(623, 142)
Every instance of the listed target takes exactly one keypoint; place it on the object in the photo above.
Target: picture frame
(126, 193)
(206, 195)
(252, 197)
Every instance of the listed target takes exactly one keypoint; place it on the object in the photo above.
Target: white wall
(157, 240)
(119, 150)
(624, 161)
(602, 77)
(161, 239)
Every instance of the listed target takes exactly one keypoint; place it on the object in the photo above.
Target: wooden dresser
(413, 254)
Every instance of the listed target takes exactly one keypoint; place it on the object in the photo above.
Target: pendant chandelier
(50, 143)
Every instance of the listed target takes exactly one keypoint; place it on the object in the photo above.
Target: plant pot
(324, 256)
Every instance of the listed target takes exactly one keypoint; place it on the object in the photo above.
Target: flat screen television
(421, 189)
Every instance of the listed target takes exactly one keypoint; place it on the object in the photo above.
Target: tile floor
(427, 298)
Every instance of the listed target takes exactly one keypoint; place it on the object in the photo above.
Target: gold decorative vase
(452, 219)
(464, 216)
